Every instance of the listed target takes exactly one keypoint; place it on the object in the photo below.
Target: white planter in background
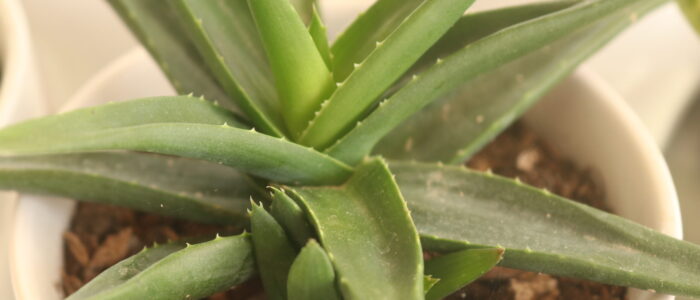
(19, 99)
(613, 142)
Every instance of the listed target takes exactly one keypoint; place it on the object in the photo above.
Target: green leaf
(458, 269)
(178, 187)
(155, 24)
(318, 32)
(312, 275)
(455, 208)
(291, 217)
(475, 26)
(121, 272)
(302, 78)
(487, 84)
(274, 253)
(470, 28)
(360, 38)
(429, 282)
(192, 273)
(691, 9)
(226, 37)
(382, 67)
(366, 229)
(176, 126)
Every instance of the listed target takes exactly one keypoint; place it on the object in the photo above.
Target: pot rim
(643, 138)
(19, 99)
(15, 58)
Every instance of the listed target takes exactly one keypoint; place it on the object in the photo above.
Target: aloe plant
(352, 153)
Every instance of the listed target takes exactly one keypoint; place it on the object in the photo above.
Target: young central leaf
(301, 75)
(390, 59)
(274, 252)
(368, 233)
(226, 37)
(311, 275)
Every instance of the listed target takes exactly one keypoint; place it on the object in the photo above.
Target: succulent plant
(353, 152)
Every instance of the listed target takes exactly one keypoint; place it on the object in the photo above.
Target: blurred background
(654, 65)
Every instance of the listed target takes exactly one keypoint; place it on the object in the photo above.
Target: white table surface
(654, 65)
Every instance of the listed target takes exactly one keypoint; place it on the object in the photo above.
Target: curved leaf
(126, 269)
(173, 186)
(470, 28)
(194, 272)
(381, 68)
(457, 269)
(318, 32)
(455, 208)
(274, 252)
(360, 38)
(155, 24)
(492, 81)
(153, 125)
(301, 76)
(290, 216)
(168, 109)
(475, 26)
(312, 275)
(366, 229)
(226, 37)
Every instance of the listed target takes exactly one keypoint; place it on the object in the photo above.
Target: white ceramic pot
(590, 123)
(19, 99)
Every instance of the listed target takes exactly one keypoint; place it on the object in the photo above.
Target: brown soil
(101, 235)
